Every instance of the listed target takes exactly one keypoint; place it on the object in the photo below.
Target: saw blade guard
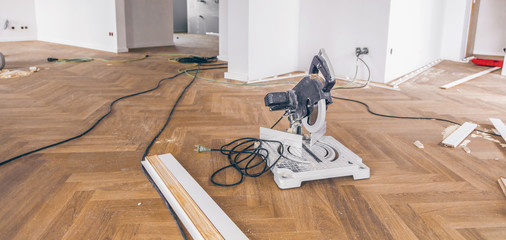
(318, 128)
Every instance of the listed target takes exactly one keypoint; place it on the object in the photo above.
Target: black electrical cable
(403, 117)
(245, 155)
(171, 210)
(170, 114)
(197, 59)
(151, 144)
(103, 116)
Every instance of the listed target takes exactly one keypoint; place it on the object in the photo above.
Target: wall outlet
(361, 51)
(111, 34)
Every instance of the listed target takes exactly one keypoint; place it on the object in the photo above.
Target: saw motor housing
(301, 102)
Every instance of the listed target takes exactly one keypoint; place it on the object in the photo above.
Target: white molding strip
(278, 77)
(413, 74)
(459, 135)
(219, 219)
(463, 80)
(499, 125)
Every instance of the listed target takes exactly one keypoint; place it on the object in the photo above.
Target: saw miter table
(312, 156)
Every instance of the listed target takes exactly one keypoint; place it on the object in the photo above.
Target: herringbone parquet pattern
(93, 188)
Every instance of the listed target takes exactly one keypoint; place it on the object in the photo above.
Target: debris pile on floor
(6, 73)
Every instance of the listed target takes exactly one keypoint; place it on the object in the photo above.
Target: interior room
(281, 119)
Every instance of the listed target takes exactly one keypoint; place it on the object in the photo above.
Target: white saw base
(329, 159)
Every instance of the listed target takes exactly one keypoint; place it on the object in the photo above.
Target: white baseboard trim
(236, 76)
(150, 44)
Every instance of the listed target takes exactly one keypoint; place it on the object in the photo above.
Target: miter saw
(312, 156)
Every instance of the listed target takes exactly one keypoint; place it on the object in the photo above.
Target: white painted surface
(414, 35)
(149, 23)
(267, 38)
(19, 13)
(223, 30)
(341, 25)
(491, 30)
(272, 37)
(238, 22)
(503, 72)
(180, 16)
(78, 23)
(457, 16)
(209, 207)
(171, 199)
(121, 37)
(459, 135)
(463, 80)
(499, 125)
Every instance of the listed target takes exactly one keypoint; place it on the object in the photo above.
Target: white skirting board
(499, 125)
(463, 80)
(460, 134)
(222, 223)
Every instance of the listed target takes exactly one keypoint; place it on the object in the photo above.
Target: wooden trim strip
(460, 134)
(463, 80)
(499, 125)
(196, 215)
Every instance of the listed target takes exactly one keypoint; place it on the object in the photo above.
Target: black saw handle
(322, 64)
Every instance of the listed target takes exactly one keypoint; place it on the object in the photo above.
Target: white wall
(19, 13)
(223, 30)
(491, 29)
(149, 23)
(340, 26)
(414, 35)
(238, 40)
(273, 37)
(457, 15)
(267, 38)
(78, 23)
(180, 16)
(262, 38)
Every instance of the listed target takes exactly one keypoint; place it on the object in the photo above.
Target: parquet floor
(93, 188)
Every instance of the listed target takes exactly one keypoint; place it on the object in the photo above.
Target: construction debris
(502, 183)
(459, 135)
(6, 73)
(464, 146)
(418, 144)
(449, 130)
(499, 125)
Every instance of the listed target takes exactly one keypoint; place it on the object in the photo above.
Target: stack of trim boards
(201, 216)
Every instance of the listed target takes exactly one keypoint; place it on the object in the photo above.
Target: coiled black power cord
(247, 156)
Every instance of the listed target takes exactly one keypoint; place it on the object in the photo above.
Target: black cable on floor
(402, 117)
(171, 210)
(246, 155)
(197, 59)
(103, 116)
(149, 145)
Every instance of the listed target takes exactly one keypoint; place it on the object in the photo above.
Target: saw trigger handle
(322, 64)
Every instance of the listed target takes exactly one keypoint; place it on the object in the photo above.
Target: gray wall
(180, 16)
(203, 16)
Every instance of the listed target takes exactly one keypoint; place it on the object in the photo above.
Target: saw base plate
(327, 158)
